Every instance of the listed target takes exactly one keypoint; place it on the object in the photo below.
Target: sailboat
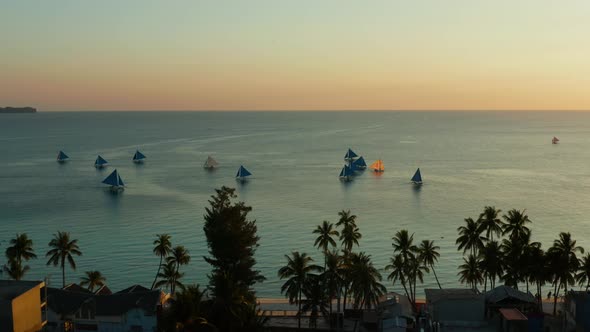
(346, 173)
(359, 164)
(62, 157)
(138, 157)
(555, 140)
(417, 178)
(350, 155)
(378, 166)
(210, 163)
(242, 173)
(115, 181)
(100, 162)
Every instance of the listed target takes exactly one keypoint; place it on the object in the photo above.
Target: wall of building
(26, 311)
(469, 310)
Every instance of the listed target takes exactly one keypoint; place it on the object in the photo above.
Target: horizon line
(318, 110)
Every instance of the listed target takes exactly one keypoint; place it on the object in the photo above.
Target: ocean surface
(468, 160)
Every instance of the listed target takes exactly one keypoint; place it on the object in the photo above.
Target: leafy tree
(332, 277)
(62, 249)
(298, 270)
(93, 279)
(232, 241)
(162, 248)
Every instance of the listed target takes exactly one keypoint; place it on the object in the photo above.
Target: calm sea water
(467, 160)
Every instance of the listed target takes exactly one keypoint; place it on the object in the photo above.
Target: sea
(468, 160)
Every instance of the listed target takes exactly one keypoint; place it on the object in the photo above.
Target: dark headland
(18, 110)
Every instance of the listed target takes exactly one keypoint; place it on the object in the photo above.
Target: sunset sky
(295, 55)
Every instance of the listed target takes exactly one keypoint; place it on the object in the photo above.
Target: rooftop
(503, 293)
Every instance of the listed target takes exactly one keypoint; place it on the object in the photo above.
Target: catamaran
(138, 157)
(242, 173)
(100, 162)
(359, 164)
(62, 157)
(417, 178)
(346, 173)
(115, 181)
(555, 140)
(378, 166)
(210, 163)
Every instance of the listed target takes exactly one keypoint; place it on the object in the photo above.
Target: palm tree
(490, 223)
(366, 284)
(93, 279)
(324, 240)
(490, 257)
(583, 276)
(512, 258)
(538, 271)
(62, 249)
(350, 236)
(169, 277)
(298, 269)
(403, 243)
(178, 256)
(470, 237)
(186, 310)
(162, 248)
(15, 270)
(515, 225)
(332, 277)
(428, 255)
(469, 272)
(398, 272)
(564, 249)
(346, 219)
(21, 248)
(316, 301)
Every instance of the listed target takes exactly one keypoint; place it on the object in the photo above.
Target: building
(395, 313)
(22, 305)
(134, 309)
(578, 308)
(455, 309)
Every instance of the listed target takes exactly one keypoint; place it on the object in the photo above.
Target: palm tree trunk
(435, 277)
(555, 298)
(63, 275)
(345, 296)
(485, 284)
(156, 278)
(299, 312)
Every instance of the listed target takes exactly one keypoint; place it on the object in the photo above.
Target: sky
(72, 55)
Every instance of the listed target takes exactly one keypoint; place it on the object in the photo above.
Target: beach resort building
(22, 306)
(455, 309)
(395, 313)
(133, 309)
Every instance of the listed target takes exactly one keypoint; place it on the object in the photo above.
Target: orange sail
(378, 166)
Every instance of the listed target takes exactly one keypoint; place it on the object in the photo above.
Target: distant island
(18, 110)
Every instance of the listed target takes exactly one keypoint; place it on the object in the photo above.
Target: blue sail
(100, 161)
(350, 154)
(138, 155)
(114, 180)
(346, 172)
(242, 172)
(62, 156)
(359, 163)
(417, 178)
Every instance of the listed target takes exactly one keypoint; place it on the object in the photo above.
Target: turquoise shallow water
(467, 160)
